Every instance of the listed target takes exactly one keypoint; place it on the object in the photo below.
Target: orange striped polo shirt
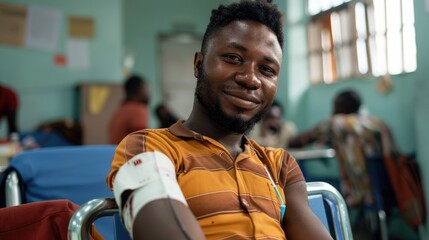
(231, 198)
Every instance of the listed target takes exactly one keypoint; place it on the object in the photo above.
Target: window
(356, 38)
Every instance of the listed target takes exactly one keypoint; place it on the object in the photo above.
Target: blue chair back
(317, 205)
(76, 173)
(329, 206)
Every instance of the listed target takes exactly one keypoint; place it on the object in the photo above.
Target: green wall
(46, 91)
(421, 103)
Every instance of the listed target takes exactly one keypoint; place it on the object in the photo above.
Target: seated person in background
(165, 117)
(68, 128)
(61, 132)
(272, 131)
(8, 108)
(133, 113)
(354, 137)
(357, 139)
(203, 178)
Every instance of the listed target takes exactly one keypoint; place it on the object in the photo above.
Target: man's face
(144, 94)
(238, 74)
(273, 119)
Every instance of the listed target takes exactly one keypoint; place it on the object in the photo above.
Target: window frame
(343, 58)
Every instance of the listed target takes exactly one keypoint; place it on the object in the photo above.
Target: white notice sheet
(78, 53)
(43, 28)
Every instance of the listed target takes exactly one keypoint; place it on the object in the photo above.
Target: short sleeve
(290, 171)
(136, 143)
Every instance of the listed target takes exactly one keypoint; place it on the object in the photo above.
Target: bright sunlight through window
(349, 39)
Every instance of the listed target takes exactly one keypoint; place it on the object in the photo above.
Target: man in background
(8, 108)
(354, 137)
(132, 115)
(360, 141)
(165, 116)
(272, 130)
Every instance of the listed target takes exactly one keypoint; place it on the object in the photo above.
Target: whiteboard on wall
(177, 75)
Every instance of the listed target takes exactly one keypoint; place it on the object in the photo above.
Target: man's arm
(300, 221)
(321, 133)
(151, 202)
(302, 139)
(11, 122)
(11, 109)
(166, 219)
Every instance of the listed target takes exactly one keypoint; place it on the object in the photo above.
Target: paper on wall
(78, 54)
(81, 27)
(12, 24)
(43, 28)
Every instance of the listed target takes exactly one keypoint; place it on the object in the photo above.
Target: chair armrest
(80, 223)
(12, 190)
(310, 154)
(339, 208)
(82, 219)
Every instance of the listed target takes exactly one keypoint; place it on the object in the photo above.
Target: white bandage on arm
(150, 176)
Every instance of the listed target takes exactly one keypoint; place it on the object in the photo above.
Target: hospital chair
(75, 173)
(325, 201)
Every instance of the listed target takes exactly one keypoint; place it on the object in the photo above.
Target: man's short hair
(347, 101)
(277, 104)
(133, 84)
(262, 11)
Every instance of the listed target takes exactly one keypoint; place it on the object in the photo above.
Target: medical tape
(151, 176)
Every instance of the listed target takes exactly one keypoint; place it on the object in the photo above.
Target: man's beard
(217, 114)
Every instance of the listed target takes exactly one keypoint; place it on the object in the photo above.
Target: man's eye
(232, 58)
(267, 70)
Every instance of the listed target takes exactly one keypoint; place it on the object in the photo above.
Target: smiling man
(202, 177)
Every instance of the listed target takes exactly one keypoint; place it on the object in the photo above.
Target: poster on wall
(12, 24)
(43, 28)
(81, 27)
(78, 54)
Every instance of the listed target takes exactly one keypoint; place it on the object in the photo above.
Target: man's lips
(242, 99)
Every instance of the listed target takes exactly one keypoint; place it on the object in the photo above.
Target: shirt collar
(180, 130)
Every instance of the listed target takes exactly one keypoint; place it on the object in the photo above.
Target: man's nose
(248, 78)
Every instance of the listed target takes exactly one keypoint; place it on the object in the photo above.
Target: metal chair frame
(80, 223)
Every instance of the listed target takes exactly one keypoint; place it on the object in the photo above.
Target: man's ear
(198, 61)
